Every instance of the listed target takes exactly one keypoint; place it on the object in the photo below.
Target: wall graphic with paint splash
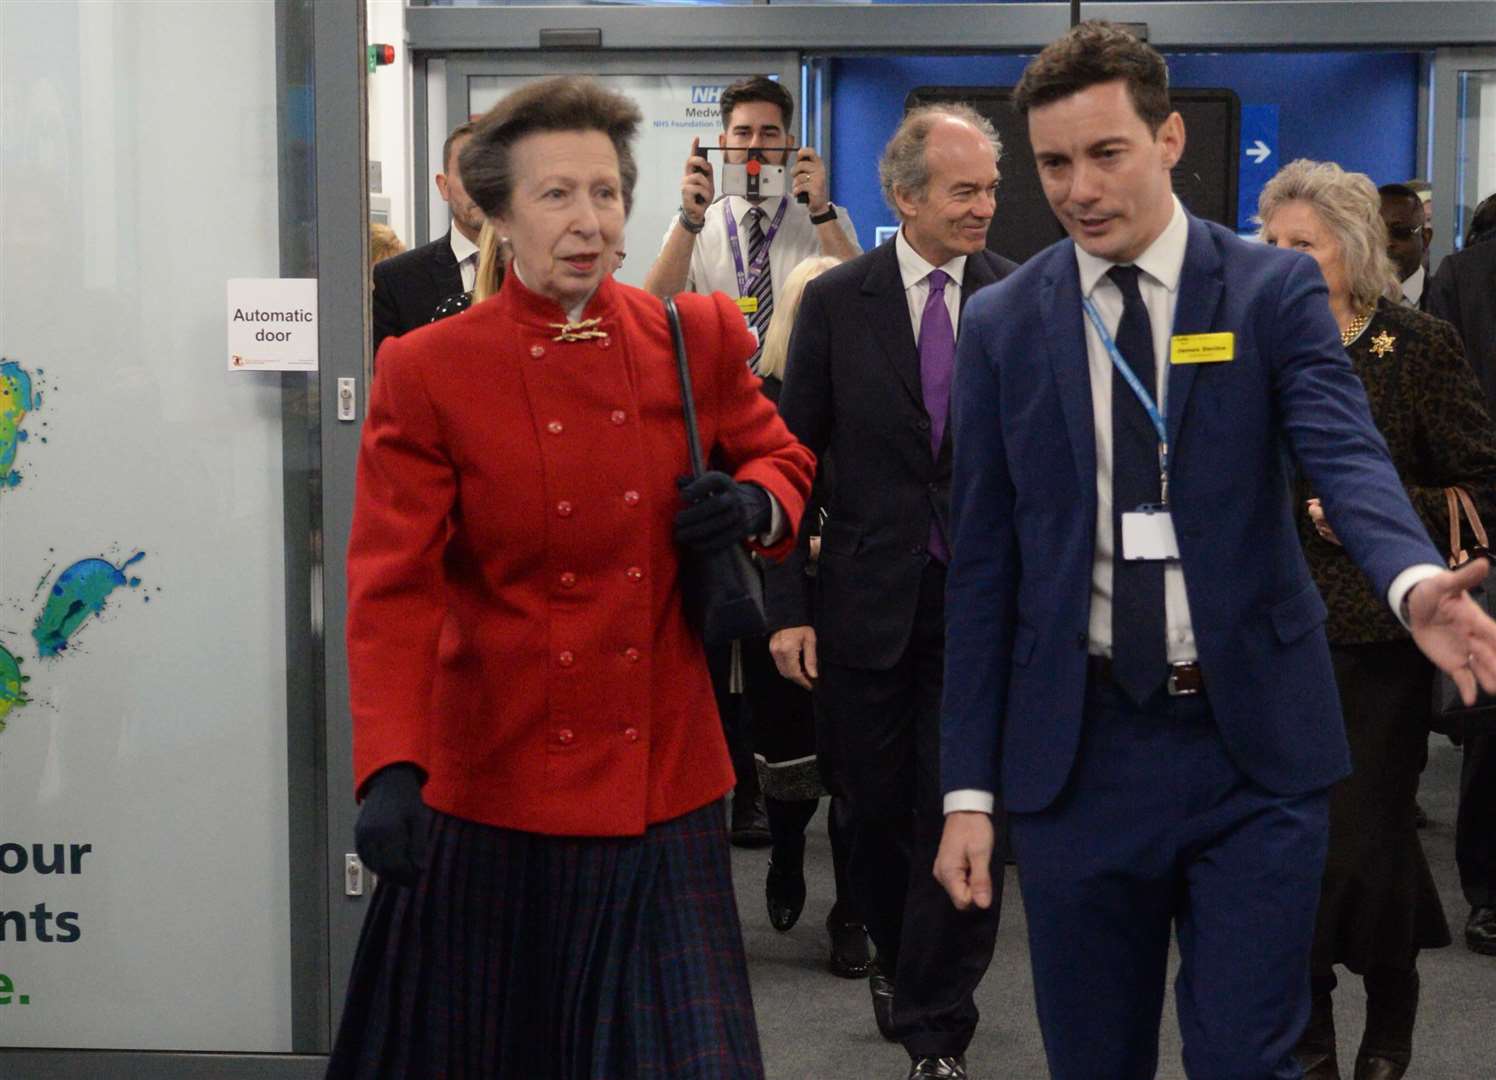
(16, 400)
(79, 593)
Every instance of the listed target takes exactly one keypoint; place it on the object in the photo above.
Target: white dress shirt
(1412, 288)
(712, 268)
(1161, 265)
(916, 270)
(466, 254)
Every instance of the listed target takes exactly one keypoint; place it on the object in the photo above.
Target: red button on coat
(631, 655)
(563, 508)
(554, 427)
(606, 343)
(564, 736)
(631, 498)
(618, 416)
(568, 580)
(633, 573)
(631, 734)
(537, 351)
(566, 658)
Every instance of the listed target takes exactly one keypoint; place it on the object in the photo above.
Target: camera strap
(761, 261)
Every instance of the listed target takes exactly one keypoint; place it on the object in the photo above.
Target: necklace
(1353, 331)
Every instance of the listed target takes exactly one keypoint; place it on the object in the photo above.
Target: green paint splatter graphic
(79, 592)
(12, 685)
(15, 402)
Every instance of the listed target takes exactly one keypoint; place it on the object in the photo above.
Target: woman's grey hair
(1351, 210)
(561, 103)
(903, 166)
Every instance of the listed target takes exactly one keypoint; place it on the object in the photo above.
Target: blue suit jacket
(1023, 511)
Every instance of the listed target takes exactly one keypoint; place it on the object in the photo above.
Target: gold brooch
(586, 330)
(1382, 344)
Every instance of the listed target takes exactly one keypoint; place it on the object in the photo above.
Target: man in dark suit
(1408, 236)
(1463, 292)
(1149, 687)
(867, 384)
(408, 288)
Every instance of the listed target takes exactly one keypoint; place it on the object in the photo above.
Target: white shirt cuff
(1403, 584)
(969, 799)
(776, 522)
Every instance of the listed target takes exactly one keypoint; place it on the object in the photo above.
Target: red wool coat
(514, 617)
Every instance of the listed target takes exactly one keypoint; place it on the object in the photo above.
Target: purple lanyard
(761, 261)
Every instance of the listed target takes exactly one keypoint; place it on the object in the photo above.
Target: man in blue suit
(1135, 660)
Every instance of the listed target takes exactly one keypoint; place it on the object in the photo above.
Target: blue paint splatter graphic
(79, 592)
(16, 400)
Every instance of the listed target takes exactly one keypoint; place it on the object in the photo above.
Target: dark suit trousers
(882, 731)
(1155, 831)
(1475, 828)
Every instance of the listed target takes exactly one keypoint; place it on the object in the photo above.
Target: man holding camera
(744, 245)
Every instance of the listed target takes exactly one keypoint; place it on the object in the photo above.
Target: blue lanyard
(1160, 425)
(745, 283)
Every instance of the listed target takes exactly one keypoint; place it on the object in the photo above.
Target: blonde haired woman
(777, 336)
(1378, 905)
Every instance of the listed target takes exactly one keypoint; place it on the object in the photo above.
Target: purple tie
(937, 363)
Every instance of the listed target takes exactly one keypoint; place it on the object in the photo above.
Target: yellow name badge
(749, 304)
(1202, 348)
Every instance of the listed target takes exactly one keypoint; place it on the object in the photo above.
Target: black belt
(1185, 680)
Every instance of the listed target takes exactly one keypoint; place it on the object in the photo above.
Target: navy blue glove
(390, 836)
(720, 512)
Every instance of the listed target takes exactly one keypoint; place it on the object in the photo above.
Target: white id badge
(1148, 534)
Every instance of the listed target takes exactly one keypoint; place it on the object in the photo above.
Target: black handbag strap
(688, 400)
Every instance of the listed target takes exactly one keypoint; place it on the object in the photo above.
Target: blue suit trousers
(1157, 831)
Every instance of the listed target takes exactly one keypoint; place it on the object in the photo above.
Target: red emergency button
(563, 509)
(554, 427)
(631, 734)
(565, 736)
(631, 654)
(618, 416)
(537, 351)
(566, 658)
(631, 498)
(633, 573)
(568, 580)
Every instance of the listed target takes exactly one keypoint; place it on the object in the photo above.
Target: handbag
(1451, 716)
(722, 590)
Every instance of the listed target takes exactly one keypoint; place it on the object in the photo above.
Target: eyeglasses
(1403, 232)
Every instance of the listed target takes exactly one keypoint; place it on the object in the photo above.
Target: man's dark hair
(1090, 54)
(461, 131)
(563, 103)
(1400, 191)
(756, 88)
(1483, 223)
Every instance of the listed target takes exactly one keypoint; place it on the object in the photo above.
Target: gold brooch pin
(586, 330)
(1382, 344)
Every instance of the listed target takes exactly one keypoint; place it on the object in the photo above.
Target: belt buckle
(1175, 690)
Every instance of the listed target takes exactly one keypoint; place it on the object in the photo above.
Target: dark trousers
(1157, 831)
(882, 731)
(1475, 828)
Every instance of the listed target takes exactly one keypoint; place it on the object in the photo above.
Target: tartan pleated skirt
(518, 955)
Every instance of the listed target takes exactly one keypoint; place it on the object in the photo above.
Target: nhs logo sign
(706, 95)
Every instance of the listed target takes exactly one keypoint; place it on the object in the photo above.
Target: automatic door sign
(272, 324)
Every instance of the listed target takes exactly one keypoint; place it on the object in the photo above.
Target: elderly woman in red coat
(535, 739)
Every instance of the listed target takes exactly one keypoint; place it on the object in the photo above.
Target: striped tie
(763, 285)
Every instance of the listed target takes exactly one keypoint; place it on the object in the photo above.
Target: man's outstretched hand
(1453, 631)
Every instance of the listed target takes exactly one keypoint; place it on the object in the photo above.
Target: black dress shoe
(784, 889)
(750, 824)
(849, 956)
(882, 988)
(1420, 816)
(1480, 931)
(1372, 1067)
(938, 1068)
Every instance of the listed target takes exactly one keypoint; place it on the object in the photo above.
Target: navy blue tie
(1140, 658)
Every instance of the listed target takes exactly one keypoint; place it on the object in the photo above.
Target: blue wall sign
(1259, 160)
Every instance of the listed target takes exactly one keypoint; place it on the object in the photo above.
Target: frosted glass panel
(144, 880)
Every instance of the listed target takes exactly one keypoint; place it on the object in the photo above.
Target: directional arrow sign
(1259, 159)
